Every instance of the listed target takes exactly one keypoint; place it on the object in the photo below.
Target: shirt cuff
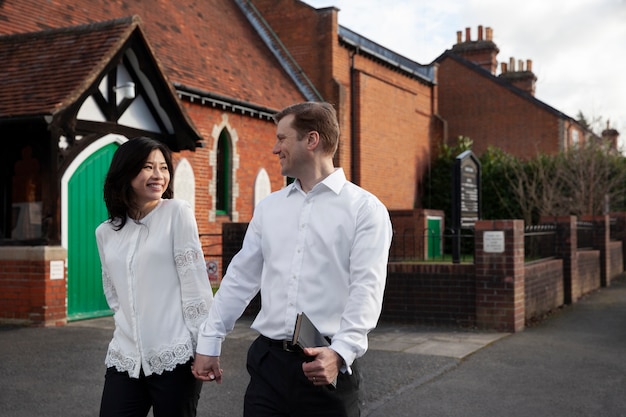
(209, 346)
(346, 354)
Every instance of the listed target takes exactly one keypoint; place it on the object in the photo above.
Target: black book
(306, 335)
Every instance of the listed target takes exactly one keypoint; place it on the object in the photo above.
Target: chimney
(610, 135)
(481, 52)
(520, 78)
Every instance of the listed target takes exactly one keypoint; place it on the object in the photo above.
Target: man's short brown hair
(318, 116)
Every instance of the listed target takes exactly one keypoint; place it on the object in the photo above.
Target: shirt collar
(334, 182)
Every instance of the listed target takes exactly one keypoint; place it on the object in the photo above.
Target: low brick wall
(442, 294)
(28, 295)
(543, 289)
(616, 259)
(589, 275)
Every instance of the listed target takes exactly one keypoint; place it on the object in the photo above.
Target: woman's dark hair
(127, 162)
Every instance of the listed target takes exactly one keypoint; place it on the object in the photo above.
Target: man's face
(292, 153)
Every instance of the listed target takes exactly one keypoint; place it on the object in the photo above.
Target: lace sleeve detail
(196, 290)
(109, 291)
(189, 261)
(195, 312)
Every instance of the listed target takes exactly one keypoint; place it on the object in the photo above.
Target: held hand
(324, 368)
(207, 368)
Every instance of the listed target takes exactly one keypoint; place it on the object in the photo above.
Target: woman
(155, 281)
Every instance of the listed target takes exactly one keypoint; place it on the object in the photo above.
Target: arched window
(223, 178)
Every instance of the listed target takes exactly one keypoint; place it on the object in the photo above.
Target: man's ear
(312, 139)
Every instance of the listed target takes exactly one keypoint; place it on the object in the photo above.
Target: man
(318, 246)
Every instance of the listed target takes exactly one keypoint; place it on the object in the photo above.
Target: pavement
(573, 363)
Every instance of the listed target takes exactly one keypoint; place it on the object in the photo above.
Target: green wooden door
(86, 210)
(434, 237)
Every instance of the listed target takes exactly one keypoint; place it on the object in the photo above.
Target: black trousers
(172, 394)
(278, 387)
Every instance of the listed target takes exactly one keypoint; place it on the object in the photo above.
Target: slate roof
(44, 72)
(207, 45)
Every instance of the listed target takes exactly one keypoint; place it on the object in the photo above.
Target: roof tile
(207, 45)
(43, 71)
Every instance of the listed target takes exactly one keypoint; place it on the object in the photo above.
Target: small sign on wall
(57, 269)
(493, 242)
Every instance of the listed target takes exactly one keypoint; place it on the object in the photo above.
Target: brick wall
(430, 294)
(401, 147)
(410, 237)
(370, 145)
(543, 289)
(28, 295)
(500, 276)
(252, 141)
(616, 259)
(588, 272)
(477, 106)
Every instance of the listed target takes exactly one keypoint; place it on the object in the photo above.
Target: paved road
(572, 364)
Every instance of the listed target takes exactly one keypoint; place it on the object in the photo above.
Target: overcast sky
(578, 47)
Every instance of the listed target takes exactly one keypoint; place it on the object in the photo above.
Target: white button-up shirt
(323, 253)
(155, 281)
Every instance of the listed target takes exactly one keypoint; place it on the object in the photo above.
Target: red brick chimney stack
(482, 51)
(610, 135)
(522, 78)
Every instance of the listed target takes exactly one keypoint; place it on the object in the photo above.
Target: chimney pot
(512, 64)
(529, 65)
(520, 65)
(503, 67)
(459, 36)
(468, 35)
(489, 33)
(480, 32)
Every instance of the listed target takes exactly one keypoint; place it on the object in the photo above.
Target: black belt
(285, 345)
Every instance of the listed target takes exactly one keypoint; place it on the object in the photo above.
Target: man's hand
(324, 368)
(207, 368)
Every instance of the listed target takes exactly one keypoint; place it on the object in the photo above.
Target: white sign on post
(493, 242)
(57, 269)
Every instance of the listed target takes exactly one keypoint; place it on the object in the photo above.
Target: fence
(585, 234)
(540, 242)
(405, 246)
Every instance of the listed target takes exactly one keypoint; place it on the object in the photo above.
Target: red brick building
(498, 110)
(204, 77)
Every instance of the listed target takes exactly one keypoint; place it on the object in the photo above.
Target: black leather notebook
(306, 335)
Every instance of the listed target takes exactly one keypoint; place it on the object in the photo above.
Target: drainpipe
(354, 143)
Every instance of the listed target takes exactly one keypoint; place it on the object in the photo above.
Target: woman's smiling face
(152, 181)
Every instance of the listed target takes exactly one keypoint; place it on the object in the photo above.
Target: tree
(588, 179)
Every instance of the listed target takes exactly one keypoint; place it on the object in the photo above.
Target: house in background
(207, 78)
(500, 110)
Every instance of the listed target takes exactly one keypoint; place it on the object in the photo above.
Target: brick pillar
(601, 238)
(567, 250)
(33, 285)
(620, 233)
(499, 263)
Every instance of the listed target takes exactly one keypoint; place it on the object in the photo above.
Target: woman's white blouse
(155, 281)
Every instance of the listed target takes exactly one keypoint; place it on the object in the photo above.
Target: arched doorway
(83, 209)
